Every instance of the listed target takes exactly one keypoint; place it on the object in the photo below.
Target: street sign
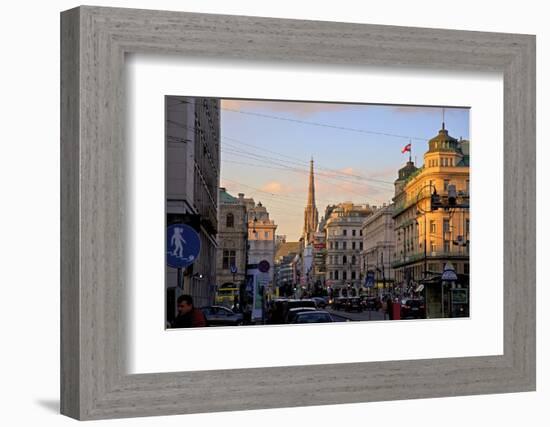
(183, 246)
(263, 266)
(369, 279)
(233, 269)
(449, 274)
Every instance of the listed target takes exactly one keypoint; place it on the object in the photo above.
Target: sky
(266, 147)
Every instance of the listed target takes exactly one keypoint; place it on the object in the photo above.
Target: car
(316, 316)
(217, 315)
(339, 303)
(320, 302)
(412, 309)
(353, 304)
(295, 303)
(293, 312)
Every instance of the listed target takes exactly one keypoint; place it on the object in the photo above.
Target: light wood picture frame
(94, 41)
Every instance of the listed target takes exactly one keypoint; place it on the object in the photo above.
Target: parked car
(293, 312)
(295, 303)
(316, 316)
(412, 309)
(353, 304)
(320, 302)
(217, 315)
(339, 303)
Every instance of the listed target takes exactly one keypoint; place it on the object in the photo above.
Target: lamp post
(424, 212)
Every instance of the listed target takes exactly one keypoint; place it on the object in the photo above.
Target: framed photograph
(261, 213)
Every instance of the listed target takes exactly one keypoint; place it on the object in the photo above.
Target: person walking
(188, 316)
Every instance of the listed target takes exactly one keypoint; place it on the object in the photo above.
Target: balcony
(419, 256)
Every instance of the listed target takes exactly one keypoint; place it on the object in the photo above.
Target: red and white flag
(406, 148)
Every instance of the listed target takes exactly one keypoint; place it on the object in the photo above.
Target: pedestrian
(188, 316)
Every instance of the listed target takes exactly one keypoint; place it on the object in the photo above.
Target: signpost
(183, 246)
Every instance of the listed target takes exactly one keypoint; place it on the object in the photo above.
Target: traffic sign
(369, 279)
(263, 266)
(449, 274)
(183, 245)
(233, 269)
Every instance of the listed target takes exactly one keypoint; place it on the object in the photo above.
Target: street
(343, 316)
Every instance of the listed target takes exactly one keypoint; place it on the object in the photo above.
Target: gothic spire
(311, 215)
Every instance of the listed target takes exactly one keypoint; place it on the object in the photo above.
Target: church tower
(311, 215)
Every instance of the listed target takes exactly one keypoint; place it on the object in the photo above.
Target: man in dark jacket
(188, 316)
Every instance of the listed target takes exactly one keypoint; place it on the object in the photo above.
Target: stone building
(427, 239)
(379, 246)
(344, 242)
(261, 236)
(232, 240)
(192, 180)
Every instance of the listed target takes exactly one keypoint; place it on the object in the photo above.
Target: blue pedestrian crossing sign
(369, 279)
(183, 245)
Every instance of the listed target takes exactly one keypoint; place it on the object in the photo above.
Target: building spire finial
(443, 119)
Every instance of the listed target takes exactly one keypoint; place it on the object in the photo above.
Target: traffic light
(435, 201)
(451, 195)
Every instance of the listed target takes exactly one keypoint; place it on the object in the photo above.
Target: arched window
(230, 220)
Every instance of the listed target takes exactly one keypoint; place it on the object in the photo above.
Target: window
(361, 245)
(361, 232)
(331, 245)
(335, 245)
(266, 234)
(228, 259)
(353, 260)
(229, 220)
(344, 245)
(352, 275)
(344, 275)
(446, 246)
(433, 228)
(336, 275)
(353, 245)
(345, 232)
(331, 275)
(432, 246)
(344, 259)
(446, 226)
(353, 233)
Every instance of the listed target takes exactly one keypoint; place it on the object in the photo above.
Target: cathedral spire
(311, 215)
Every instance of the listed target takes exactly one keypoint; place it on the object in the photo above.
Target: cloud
(276, 187)
(302, 109)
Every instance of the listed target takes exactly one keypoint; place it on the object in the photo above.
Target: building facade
(427, 238)
(344, 244)
(261, 237)
(379, 246)
(192, 180)
(232, 240)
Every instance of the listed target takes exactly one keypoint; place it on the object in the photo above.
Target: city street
(343, 316)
